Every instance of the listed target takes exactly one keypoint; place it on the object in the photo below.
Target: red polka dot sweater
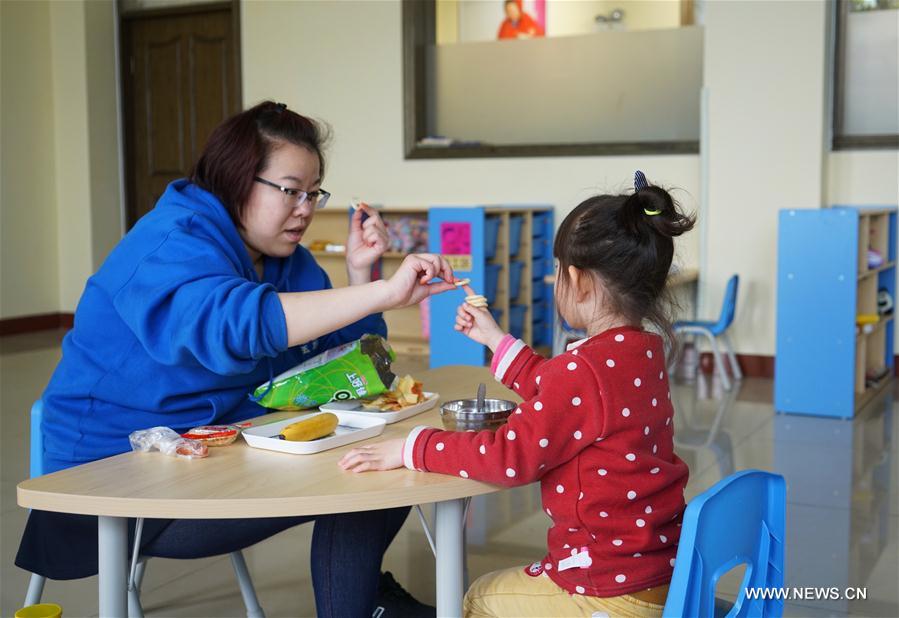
(595, 428)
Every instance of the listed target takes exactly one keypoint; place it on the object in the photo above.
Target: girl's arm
(563, 418)
(514, 364)
(518, 367)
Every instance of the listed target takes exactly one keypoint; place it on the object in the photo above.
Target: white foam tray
(356, 407)
(351, 428)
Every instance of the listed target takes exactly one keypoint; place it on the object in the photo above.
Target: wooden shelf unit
(484, 235)
(405, 326)
(824, 358)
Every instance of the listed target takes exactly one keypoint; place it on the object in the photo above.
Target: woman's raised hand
(366, 243)
(409, 284)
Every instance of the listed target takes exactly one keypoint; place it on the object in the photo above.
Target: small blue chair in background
(138, 563)
(740, 520)
(715, 331)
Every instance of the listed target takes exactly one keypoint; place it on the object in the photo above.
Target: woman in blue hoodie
(208, 296)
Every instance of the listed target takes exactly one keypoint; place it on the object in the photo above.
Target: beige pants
(514, 593)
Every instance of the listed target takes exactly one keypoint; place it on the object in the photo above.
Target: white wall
(863, 178)
(61, 207)
(29, 268)
(72, 150)
(766, 107)
(362, 101)
(107, 208)
(479, 20)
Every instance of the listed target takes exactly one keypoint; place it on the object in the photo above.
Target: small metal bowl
(463, 415)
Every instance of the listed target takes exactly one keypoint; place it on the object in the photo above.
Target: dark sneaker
(394, 602)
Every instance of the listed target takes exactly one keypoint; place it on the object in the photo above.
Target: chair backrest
(741, 520)
(36, 455)
(729, 306)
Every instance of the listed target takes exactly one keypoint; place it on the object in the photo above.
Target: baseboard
(752, 365)
(34, 323)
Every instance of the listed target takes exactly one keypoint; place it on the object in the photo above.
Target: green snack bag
(357, 370)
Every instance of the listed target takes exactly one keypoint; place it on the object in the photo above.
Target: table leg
(112, 548)
(448, 522)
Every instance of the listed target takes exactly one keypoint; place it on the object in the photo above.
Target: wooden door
(180, 80)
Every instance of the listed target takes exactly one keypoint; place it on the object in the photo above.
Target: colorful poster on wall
(537, 9)
(455, 244)
(524, 19)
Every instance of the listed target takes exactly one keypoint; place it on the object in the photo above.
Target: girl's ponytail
(651, 210)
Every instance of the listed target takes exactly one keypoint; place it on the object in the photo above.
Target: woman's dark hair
(628, 242)
(239, 148)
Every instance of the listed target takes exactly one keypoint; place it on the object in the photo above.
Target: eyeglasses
(318, 198)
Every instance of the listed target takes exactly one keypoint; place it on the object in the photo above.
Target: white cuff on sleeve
(409, 446)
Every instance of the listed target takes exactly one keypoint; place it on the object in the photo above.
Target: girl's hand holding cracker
(475, 321)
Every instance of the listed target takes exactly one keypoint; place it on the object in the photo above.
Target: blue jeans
(347, 548)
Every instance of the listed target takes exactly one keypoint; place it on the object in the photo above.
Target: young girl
(595, 426)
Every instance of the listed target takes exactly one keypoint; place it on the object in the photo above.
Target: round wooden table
(239, 482)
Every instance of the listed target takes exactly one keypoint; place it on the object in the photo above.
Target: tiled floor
(842, 515)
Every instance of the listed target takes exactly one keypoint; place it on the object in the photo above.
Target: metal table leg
(112, 550)
(449, 524)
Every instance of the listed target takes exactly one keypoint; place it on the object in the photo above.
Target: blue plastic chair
(741, 520)
(715, 331)
(138, 563)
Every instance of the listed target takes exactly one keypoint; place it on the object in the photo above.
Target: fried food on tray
(408, 392)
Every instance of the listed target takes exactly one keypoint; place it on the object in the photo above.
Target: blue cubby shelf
(505, 251)
(826, 362)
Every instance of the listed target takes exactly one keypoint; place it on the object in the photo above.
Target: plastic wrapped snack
(213, 435)
(356, 370)
(167, 441)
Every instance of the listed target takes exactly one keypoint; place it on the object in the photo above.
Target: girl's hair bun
(651, 210)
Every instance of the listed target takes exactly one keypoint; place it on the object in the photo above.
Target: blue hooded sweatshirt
(176, 329)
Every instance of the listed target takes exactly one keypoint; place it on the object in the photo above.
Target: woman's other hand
(366, 243)
(385, 455)
(409, 284)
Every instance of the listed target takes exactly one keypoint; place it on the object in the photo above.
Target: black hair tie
(281, 107)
